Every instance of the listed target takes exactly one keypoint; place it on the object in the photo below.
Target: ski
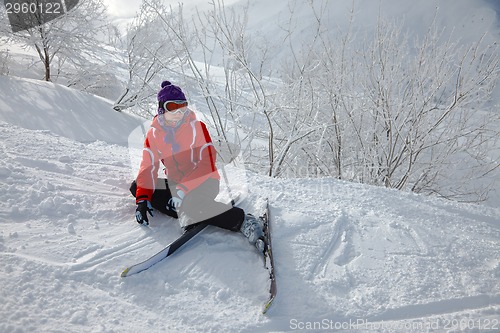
(190, 232)
(167, 251)
(196, 229)
(269, 259)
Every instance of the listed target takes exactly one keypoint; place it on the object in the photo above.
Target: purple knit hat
(169, 92)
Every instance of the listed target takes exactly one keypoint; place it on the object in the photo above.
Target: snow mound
(40, 105)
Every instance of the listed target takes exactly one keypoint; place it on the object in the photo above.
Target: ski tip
(125, 272)
(267, 306)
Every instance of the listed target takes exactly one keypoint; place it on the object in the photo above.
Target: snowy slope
(36, 104)
(345, 253)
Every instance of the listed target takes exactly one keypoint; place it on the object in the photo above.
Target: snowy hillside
(41, 105)
(345, 253)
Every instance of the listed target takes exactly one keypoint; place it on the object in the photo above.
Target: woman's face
(174, 111)
(174, 116)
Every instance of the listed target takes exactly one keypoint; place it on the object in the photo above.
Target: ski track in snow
(388, 256)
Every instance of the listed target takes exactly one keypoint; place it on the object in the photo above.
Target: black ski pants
(199, 205)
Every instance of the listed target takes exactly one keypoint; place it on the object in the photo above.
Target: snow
(35, 104)
(349, 257)
(345, 253)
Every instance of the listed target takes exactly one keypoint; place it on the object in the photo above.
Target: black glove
(143, 207)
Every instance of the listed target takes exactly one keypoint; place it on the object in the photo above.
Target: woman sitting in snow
(182, 143)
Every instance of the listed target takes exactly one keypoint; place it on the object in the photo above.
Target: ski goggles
(173, 106)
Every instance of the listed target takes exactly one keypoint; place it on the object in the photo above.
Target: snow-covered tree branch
(70, 39)
(150, 51)
(384, 109)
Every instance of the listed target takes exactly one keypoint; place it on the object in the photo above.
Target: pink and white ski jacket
(185, 150)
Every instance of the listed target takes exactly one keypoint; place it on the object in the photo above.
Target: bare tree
(393, 111)
(4, 62)
(215, 61)
(384, 109)
(69, 38)
(424, 101)
(149, 54)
